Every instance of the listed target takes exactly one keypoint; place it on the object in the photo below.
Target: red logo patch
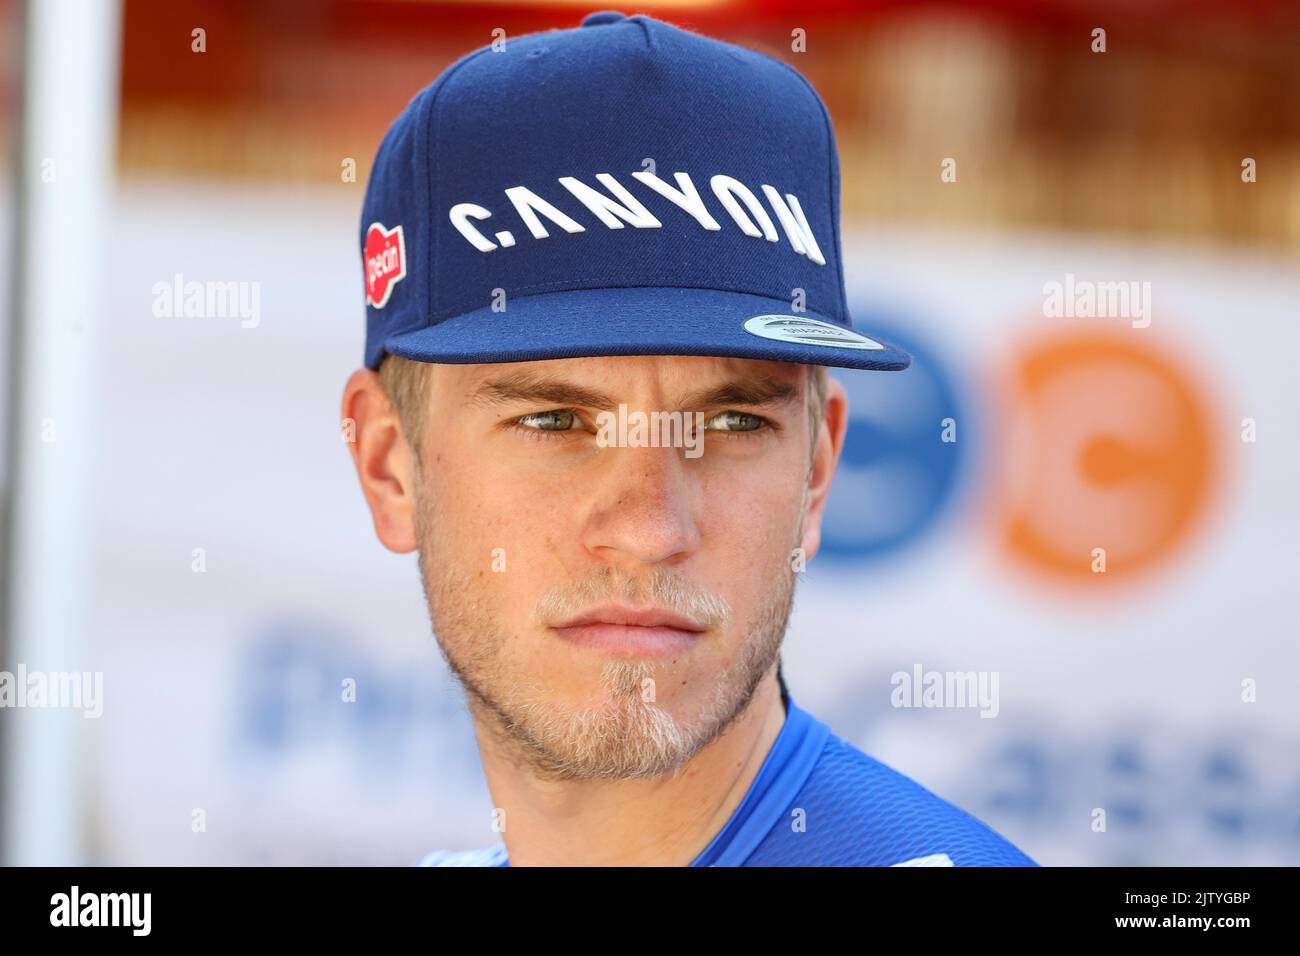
(385, 257)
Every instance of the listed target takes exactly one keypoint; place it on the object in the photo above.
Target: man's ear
(383, 459)
(826, 456)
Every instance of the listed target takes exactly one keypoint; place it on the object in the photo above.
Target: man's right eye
(556, 420)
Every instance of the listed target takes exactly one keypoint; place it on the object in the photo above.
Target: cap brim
(632, 321)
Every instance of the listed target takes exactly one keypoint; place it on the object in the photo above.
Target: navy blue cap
(623, 188)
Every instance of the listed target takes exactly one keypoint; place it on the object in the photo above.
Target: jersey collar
(787, 766)
(793, 755)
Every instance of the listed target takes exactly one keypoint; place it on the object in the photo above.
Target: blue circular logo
(904, 454)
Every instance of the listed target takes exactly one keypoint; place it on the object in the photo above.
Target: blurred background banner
(1083, 220)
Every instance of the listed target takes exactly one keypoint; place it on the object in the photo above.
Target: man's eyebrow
(532, 387)
(743, 391)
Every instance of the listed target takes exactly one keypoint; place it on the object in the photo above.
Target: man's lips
(633, 617)
(635, 632)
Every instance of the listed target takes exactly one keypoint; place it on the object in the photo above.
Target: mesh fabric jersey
(819, 801)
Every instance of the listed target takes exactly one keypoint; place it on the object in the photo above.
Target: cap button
(602, 17)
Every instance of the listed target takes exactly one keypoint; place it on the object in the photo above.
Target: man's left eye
(735, 422)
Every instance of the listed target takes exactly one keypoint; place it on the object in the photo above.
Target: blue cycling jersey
(819, 801)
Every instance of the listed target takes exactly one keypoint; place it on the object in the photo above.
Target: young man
(603, 282)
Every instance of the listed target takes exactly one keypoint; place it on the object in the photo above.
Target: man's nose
(644, 509)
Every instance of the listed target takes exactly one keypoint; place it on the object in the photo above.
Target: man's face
(540, 543)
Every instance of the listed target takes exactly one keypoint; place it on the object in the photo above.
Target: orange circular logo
(1110, 457)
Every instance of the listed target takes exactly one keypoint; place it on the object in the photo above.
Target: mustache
(662, 588)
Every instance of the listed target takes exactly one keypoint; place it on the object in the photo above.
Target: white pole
(67, 137)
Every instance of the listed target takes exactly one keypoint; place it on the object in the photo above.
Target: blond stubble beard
(625, 736)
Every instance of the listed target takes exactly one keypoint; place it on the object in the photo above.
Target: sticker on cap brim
(805, 331)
